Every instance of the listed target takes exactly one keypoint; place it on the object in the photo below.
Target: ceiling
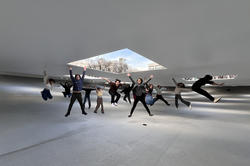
(189, 37)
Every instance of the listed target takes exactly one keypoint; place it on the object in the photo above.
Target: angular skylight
(118, 62)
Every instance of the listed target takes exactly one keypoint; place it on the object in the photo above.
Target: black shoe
(129, 116)
(66, 115)
(151, 114)
(95, 112)
(84, 113)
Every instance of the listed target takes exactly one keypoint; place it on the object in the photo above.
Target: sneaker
(115, 104)
(151, 114)
(190, 107)
(129, 116)
(66, 115)
(217, 100)
(95, 112)
(84, 113)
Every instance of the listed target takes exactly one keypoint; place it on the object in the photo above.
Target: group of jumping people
(142, 91)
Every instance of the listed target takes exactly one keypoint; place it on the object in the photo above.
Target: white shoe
(115, 104)
(217, 100)
(190, 107)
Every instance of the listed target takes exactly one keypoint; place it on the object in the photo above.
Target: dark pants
(113, 95)
(127, 95)
(46, 94)
(75, 96)
(65, 94)
(87, 97)
(178, 97)
(161, 98)
(99, 103)
(142, 100)
(203, 92)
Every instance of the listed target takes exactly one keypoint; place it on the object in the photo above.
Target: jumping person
(77, 82)
(159, 95)
(48, 86)
(203, 81)
(99, 93)
(66, 87)
(115, 96)
(149, 94)
(180, 87)
(87, 96)
(127, 89)
(139, 93)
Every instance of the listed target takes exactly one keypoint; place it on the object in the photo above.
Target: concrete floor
(36, 133)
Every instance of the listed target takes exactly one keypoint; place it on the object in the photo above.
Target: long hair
(77, 75)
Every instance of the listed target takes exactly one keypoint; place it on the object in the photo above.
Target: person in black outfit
(115, 96)
(87, 96)
(139, 92)
(127, 89)
(66, 87)
(77, 82)
(203, 81)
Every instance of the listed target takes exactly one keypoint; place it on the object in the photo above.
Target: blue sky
(134, 60)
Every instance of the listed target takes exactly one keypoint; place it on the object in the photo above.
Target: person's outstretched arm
(221, 84)
(129, 76)
(150, 78)
(70, 73)
(63, 85)
(84, 72)
(45, 77)
(106, 79)
(174, 81)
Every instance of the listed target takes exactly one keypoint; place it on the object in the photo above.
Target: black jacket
(139, 89)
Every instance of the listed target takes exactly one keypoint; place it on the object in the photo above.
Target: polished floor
(36, 133)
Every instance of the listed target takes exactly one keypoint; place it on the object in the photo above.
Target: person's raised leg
(142, 100)
(176, 100)
(187, 103)
(129, 100)
(79, 98)
(44, 96)
(134, 106)
(49, 94)
(162, 99)
(102, 108)
(84, 100)
(205, 93)
(125, 97)
(72, 100)
(89, 102)
(117, 97)
(98, 105)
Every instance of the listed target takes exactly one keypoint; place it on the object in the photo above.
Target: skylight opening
(119, 62)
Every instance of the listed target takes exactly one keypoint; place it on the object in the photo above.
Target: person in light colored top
(99, 101)
(180, 87)
(159, 95)
(48, 85)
